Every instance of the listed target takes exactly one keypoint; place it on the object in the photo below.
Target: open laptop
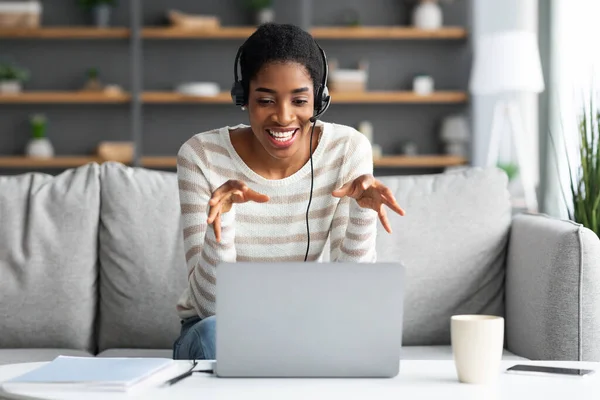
(309, 319)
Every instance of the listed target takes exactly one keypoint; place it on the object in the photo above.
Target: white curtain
(574, 76)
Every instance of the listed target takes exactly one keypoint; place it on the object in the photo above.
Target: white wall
(493, 16)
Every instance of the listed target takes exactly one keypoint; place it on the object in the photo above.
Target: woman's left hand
(371, 193)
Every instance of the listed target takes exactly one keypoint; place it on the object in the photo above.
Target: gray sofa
(92, 263)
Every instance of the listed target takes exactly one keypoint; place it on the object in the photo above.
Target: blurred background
(435, 84)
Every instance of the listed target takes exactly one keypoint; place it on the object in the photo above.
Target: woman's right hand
(232, 191)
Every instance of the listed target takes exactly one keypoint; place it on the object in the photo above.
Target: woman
(275, 190)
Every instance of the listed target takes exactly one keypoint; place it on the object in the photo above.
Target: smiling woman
(276, 190)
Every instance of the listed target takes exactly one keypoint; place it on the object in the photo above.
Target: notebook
(89, 373)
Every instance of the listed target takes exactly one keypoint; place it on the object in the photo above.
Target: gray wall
(76, 129)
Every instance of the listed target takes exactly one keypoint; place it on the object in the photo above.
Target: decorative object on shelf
(507, 63)
(205, 89)
(20, 14)
(113, 90)
(366, 128)
(348, 80)
(12, 78)
(116, 151)
(92, 84)
(39, 146)
(423, 85)
(262, 10)
(100, 11)
(427, 14)
(410, 148)
(455, 135)
(182, 20)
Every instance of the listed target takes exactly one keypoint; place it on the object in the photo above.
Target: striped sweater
(274, 231)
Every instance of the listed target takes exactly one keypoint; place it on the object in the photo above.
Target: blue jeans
(197, 340)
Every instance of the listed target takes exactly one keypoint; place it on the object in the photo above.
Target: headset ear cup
(237, 94)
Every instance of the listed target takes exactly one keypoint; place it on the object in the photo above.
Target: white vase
(264, 16)
(10, 87)
(427, 15)
(39, 148)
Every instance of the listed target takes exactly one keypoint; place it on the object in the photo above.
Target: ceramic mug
(477, 345)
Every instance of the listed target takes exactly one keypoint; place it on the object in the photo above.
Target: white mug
(477, 345)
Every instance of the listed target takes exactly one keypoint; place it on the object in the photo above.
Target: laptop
(329, 320)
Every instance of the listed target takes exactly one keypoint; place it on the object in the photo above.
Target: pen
(176, 379)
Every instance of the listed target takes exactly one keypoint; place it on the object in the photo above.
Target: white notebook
(89, 373)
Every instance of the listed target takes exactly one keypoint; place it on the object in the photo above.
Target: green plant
(92, 73)
(38, 124)
(511, 169)
(258, 5)
(11, 72)
(585, 186)
(89, 4)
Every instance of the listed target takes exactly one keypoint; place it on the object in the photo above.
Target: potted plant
(262, 10)
(39, 146)
(100, 10)
(12, 78)
(585, 183)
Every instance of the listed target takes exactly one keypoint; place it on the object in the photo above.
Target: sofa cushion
(160, 353)
(48, 257)
(17, 356)
(453, 242)
(142, 261)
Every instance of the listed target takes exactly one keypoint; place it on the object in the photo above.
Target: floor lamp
(507, 64)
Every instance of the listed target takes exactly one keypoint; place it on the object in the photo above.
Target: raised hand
(371, 193)
(232, 191)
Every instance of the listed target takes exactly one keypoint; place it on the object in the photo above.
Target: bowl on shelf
(115, 151)
(201, 89)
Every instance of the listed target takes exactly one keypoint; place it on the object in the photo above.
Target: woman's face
(280, 105)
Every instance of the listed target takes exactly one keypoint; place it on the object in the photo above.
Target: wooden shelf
(65, 33)
(337, 97)
(365, 32)
(62, 97)
(172, 97)
(387, 32)
(424, 161)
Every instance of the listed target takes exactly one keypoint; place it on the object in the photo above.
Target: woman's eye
(265, 101)
(300, 102)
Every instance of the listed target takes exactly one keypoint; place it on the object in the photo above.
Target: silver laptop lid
(309, 319)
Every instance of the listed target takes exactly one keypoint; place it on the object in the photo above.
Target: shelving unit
(171, 162)
(137, 33)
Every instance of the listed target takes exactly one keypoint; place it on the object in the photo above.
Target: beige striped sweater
(274, 231)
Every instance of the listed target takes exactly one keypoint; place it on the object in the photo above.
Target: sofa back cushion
(48, 259)
(142, 261)
(453, 242)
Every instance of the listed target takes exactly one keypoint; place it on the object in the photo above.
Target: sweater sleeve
(202, 252)
(354, 229)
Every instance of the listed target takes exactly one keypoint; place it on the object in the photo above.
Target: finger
(343, 191)
(390, 200)
(384, 219)
(365, 181)
(213, 213)
(255, 196)
(217, 228)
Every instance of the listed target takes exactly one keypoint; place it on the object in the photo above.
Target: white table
(417, 380)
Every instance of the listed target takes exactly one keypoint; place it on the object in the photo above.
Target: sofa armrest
(552, 290)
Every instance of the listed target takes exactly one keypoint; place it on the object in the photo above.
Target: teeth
(281, 135)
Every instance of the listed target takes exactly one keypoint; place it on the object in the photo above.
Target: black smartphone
(538, 369)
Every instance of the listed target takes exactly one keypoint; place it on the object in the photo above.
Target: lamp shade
(506, 62)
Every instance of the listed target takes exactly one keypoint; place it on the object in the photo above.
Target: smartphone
(537, 369)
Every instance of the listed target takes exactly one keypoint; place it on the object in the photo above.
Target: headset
(321, 104)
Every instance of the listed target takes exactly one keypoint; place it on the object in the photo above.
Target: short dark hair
(273, 42)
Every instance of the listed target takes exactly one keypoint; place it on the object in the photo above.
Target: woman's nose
(284, 115)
